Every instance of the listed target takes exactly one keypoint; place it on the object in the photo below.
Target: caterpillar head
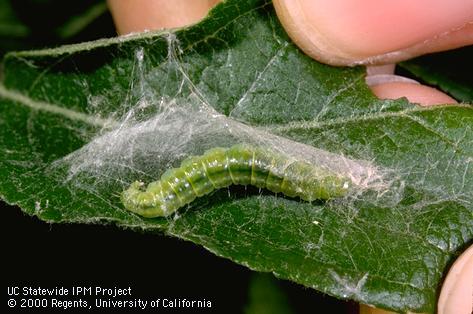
(143, 202)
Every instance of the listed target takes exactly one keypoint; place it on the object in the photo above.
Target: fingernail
(456, 296)
(380, 69)
(377, 79)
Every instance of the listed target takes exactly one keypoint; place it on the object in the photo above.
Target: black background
(155, 266)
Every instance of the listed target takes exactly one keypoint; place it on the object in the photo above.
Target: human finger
(132, 16)
(350, 32)
(456, 296)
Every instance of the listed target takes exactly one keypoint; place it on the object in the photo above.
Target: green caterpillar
(241, 164)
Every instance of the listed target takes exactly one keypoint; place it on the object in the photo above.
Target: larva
(240, 164)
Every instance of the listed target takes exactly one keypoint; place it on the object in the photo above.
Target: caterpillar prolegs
(240, 164)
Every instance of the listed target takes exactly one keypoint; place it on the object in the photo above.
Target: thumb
(456, 296)
(351, 32)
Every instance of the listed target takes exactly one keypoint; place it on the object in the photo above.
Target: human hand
(343, 32)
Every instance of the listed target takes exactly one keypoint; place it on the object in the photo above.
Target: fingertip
(131, 16)
(344, 32)
(394, 87)
(456, 296)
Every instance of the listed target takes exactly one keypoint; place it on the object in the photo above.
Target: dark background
(155, 266)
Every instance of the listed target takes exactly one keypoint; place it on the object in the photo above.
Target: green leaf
(9, 24)
(265, 296)
(27, 24)
(79, 22)
(12, 30)
(391, 252)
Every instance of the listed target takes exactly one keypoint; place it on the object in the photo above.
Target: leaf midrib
(317, 124)
(94, 120)
(69, 114)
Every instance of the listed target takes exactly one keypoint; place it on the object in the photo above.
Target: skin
(343, 32)
(133, 16)
(348, 32)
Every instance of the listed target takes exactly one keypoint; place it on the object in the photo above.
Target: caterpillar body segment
(240, 164)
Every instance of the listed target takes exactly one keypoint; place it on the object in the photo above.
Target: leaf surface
(391, 254)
